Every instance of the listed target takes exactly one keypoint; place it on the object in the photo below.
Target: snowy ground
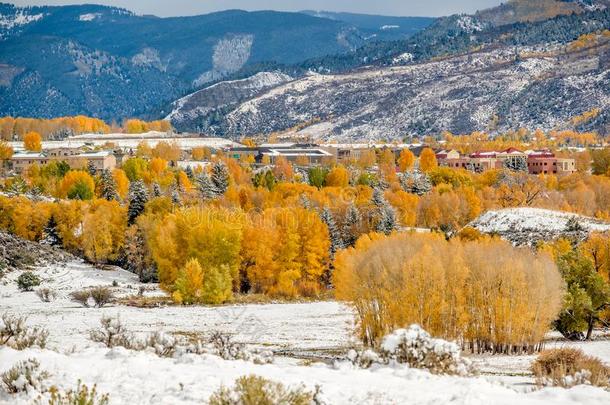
(296, 331)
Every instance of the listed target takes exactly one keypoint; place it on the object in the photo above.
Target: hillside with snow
(527, 226)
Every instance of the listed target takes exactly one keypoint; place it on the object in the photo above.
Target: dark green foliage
(108, 186)
(206, 188)
(220, 177)
(317, 176)
(27, 281)
(264, 178)
(138, 197)
(80, 191)
(51, 233)
(586, 296)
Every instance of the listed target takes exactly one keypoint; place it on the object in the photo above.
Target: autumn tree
(104, 231)
(427, 160)
(77, 185)
(337, 177)
(406, 160)
(32, 141)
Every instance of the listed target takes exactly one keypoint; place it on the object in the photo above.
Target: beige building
(100, 160)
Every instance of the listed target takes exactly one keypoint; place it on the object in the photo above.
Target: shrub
(82, 297)
(222, 345)
(101, 296)
(27, 281)
(15, 334)
(113, 333)
(255, 390)
(81, 396)
(163, 344)
(568, 367)
(46, 294)
(415, 348)
(25, 376)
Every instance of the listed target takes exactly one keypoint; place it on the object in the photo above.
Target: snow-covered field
(319, 330)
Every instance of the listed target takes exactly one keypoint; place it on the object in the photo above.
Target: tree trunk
(591, 321)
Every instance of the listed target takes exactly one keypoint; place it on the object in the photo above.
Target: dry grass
(568, 367)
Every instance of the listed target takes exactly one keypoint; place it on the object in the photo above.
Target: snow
(389, 27)
(89, 16)
(519, 219)
(20, 18)
(293, 330)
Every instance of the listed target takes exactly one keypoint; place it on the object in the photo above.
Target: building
(538, 161)
(100, 160)
(299, 154)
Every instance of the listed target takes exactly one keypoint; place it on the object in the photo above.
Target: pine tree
(416, 182)
(516, 164)
(220, 177)
(156, 190)
(108, 186)
(305, 202)
(387, 220)
(378, 199)
(206, 188)
(91, 168)
(351, 225)
(176, 197)
(421, 183)
(137, 197)
(336, 241)
(51, 233)
(189, 172)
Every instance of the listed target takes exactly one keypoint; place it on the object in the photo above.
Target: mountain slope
(486, 90)
(111, 63)
(377, 26)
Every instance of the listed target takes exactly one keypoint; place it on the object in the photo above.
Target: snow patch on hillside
(521, 219)
(89, 16)
(11, 22)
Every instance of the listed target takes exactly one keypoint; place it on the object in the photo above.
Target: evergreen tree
(91, 168)
(351, 225)
(108, 186)
(137, 256)
(305, 202)
(176, 197)
(35, 193)
(137, 197)
(416, 182)
(51, 233)
(189, 172)
(516, 164)
(378, 199)
(387, 220)
(17, 187)
(220, 177)
(156, 190)
(206, 188)
(336, 241)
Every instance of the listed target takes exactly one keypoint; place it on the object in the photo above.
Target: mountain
(528, 11)
(110, 63)
(454, 76)
(376, 26)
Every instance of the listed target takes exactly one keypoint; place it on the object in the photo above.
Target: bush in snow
(113, 333)
(163, 344)
(15, 334)
(99, 295)
(81, 396)
(417, 349)
(569, 367)
(27, 281)
(24, 376)
(46, 294)
(222, 345)
(255, 390)
(82, 297)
